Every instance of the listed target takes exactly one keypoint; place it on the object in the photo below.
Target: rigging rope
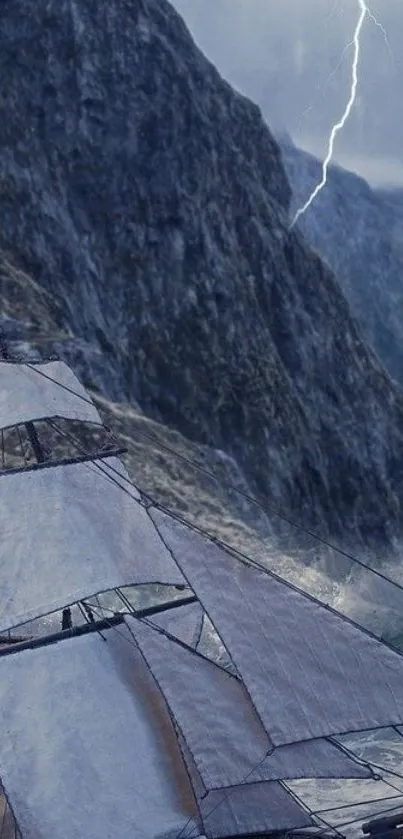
(245, 778)
(94, 460)
(372, 815)
(314, 813)
(361, 803)
(194, 527)
(299, 801)
(266, 508)
(64, 387)
(234, 551)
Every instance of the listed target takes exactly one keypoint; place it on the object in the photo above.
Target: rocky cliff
(145, 214)
(358, 231)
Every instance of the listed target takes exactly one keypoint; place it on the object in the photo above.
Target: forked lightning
(364, 13)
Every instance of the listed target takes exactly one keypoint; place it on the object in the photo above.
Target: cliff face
(149, 203)
(358, 231)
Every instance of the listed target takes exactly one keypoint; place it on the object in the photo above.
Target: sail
(309, 671)
(71, 531)
(84, 717)
(258, 808)
(243, 811)
(81, 719)
(254, 809)
(28, 393)
(185, 623)
(205, 698)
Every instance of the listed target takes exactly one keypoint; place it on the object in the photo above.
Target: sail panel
(71, 531)
(309, 671)
(205, 698)
(185, 623)
(27, 393)
(251, 809)
(246, 809)
(87, 748)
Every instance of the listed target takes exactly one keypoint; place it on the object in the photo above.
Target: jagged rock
(149, 200)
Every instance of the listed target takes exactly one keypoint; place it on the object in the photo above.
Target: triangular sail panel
(220, 726)
(71, 531)
(28, 392)
(310, 672)
(87, 749)
(184, 623)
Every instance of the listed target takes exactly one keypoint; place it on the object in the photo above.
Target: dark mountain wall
(359, 232)
(149, 202)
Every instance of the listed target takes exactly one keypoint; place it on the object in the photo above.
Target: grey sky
(281, 54)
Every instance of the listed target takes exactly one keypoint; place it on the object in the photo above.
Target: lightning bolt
(321, 90)
(380, 26)
(339, 125)
(364, 12)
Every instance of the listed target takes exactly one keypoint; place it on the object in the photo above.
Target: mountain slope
(358, 231)
(149, 202)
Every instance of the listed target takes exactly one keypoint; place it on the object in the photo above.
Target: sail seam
(213, 623)
(251, 563)
(190, 649)
(331, 739)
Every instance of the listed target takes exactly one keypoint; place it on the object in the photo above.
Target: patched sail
(308, 669)
(205, 698)
(244, 810)
(71, 531)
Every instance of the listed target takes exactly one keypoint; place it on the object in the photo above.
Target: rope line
(244, 779)
(360, 803)
(273, 511)
(266, 508)
(235, 552)
(318, 814)
(95, 461)
(299, 801)
(64, 387)
(371, 815)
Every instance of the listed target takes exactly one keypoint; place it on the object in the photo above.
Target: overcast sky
(281, 54)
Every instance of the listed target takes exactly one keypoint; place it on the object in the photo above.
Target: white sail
(69, 532)
(28, 393)
(84, 718)
(204, 698)
(309, 671)
(87, 748)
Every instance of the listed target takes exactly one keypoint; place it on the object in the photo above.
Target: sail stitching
(173, 718)
(213, 664)
(249, 562)
(209, 616)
